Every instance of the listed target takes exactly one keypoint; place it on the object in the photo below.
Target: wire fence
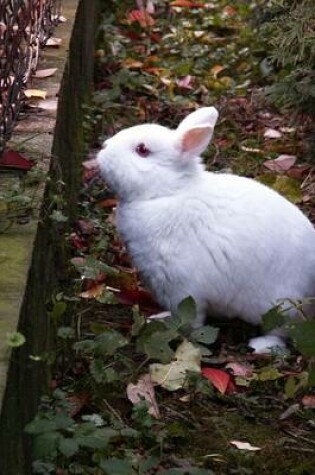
(25, 26)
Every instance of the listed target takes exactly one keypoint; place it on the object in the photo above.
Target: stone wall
(33, 263)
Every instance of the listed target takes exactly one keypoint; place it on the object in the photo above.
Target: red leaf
(14, 160)
(219, 378)
(140, 297)
(108, 203)
(140, 16)
(187, 4)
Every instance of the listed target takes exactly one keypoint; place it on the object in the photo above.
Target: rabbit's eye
(142, 150)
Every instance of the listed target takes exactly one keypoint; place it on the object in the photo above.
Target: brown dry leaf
(35, 93)
(44, 73)
(93, 292)
(144, 389)
(281, 164)
(215, 70)
(53, 42)
(130, 63)
(309, 401)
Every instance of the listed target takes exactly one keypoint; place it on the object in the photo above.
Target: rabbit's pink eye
(142, 150)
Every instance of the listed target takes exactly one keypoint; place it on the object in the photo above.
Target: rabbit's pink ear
(195, 140)
(195, 131)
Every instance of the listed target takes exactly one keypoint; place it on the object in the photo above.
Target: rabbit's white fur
(234, 245)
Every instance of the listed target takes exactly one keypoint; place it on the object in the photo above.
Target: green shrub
(290, 33)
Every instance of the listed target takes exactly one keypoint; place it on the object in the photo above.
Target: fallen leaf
(299, 171)
(35, 93)
(268, 373)
(244, 445)
(44, 73)
(215, 70)
(288, 130)
(272, 134)
(309, 401)
(48, 104)
(187, 4)
(53, 42)
(219, 378)
(108, 203)
(142, 17)
(14, 160)
(229, 11)
(238, 369)
(130, 63)
(185, 83)
(144, 389)
(77, 403)
(293, 409)
(93, 292)
(282, 163)
(172, 376)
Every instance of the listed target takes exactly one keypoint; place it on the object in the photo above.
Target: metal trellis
(25, 26)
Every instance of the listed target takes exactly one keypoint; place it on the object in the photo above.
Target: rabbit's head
(148, 161)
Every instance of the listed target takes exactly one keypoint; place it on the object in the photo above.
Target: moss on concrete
(29, 254)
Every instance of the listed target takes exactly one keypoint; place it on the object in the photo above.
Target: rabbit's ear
(205, 116)
(196, 130)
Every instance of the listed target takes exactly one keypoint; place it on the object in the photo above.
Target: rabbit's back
(233, 244)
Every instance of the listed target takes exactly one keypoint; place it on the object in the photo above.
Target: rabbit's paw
(267, 344)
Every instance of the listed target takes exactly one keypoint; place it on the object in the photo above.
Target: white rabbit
(234, 245)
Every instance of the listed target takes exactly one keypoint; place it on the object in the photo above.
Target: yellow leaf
(35, 93)
(215, 70)
(173, 376)
(130, 63)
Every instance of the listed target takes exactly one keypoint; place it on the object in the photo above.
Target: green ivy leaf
(148, 464)
(138, 321)
(108, 342)
(63, 421)
(157, 345)
(206, 335)
(15, 339)
(269, 374)
(115, 466)
(40, 426)
(273, 318)
(86, 346)
(189, 471)
(58, 310)
(185, 313)
(58, 216)
(43, 468)
(303, 336)
(68, 447)
(66, 333)
(89, 436)
(45, 445)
